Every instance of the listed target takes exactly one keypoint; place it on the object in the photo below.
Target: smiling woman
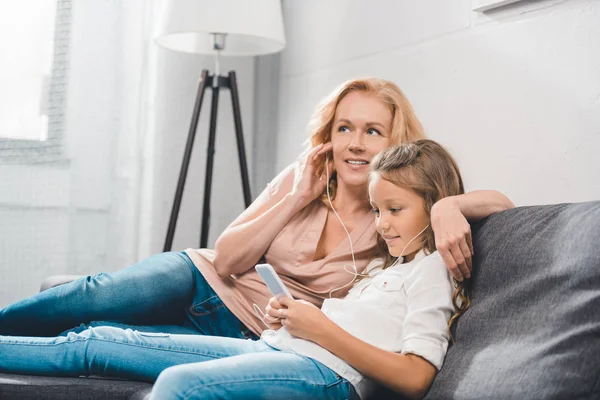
(210, 295)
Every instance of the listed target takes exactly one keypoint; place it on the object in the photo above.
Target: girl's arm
(452, 230)
(408, 374)
(248, 237)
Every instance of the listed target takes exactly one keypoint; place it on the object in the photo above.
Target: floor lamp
(219, 28)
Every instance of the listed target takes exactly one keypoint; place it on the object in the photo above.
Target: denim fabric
(217, 367)
(271, 374)
(163, 293)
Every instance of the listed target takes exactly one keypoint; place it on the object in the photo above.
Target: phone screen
(272, 284)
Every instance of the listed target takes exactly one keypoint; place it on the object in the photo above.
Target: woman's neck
(351, 201)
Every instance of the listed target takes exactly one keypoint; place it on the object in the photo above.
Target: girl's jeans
(190, 366)
(164, 293)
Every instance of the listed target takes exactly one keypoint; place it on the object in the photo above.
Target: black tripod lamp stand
(218, 27)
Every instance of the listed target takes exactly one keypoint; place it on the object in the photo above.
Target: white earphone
(355, 270)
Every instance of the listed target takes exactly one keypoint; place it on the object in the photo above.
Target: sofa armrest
(57, 280)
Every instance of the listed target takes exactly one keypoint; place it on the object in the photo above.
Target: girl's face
(399, 214)
(361, 128)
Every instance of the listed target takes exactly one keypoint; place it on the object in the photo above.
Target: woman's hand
(301, 318)
(308, 182)
(452, 237)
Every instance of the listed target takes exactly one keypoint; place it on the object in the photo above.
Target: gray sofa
(532, 332)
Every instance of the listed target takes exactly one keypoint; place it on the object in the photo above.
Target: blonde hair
(431, 172)
(406, 127)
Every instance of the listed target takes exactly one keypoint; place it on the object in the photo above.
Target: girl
(392, 327)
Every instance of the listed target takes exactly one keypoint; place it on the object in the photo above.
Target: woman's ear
(329, 164)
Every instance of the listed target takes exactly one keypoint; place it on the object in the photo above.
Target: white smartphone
(272, 280)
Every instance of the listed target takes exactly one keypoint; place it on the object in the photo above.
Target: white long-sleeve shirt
(404, 309)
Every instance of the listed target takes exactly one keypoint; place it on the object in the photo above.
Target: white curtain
(81, 209)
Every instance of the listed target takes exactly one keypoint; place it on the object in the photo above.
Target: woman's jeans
(152, 317)
(165, 293)
(215, 367)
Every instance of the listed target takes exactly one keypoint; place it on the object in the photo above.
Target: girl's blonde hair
(430, 171)
(406, 127)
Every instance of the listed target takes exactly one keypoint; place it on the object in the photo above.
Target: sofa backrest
(533, 329)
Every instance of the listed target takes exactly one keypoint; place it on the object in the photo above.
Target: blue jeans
(164, 293)
(187, 366)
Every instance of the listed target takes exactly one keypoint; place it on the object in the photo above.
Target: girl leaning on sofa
(392, 327)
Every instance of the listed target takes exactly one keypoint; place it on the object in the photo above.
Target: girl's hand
(308, 183)
(271, 313)
(302, 319)
(452, 237)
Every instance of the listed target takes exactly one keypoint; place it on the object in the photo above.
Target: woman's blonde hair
(406, 127)
(430, 171)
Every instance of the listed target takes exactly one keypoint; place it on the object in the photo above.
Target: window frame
(27, 151)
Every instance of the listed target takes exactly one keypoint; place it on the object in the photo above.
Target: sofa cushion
(533, 329)
(23, 387)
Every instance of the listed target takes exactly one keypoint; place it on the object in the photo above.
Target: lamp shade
(252, 27)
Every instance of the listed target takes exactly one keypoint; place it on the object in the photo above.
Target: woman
(214, 292)
(392, 327)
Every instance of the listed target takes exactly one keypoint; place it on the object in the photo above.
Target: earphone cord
(261, 316)
(355, 270)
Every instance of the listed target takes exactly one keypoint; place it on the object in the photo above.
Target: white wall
(513, 93)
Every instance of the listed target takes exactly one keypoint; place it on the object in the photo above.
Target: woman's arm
(452, 230)
(247, 238)
(245, 241)
(474, 205)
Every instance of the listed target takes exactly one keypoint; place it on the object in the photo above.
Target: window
(34, 43)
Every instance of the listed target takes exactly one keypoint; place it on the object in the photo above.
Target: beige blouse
(291, 255)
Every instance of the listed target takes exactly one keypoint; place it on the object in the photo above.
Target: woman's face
(361, 128)
(399, 215)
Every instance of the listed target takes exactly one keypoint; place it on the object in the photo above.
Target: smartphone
(272, 280)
